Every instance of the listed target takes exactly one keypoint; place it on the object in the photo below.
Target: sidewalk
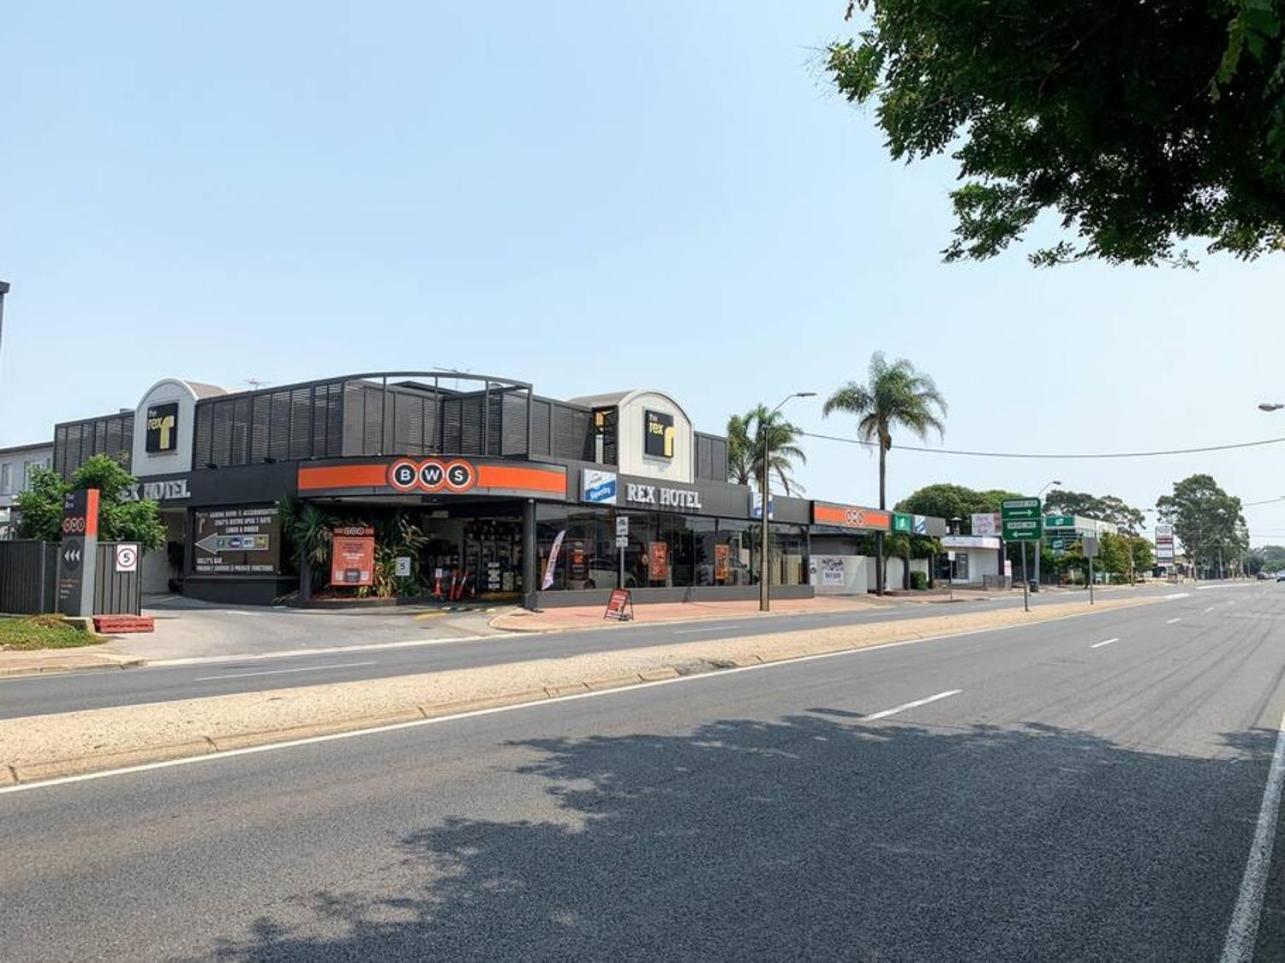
(591, 616)
(61, 660)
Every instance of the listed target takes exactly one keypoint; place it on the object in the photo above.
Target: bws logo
(431, 475)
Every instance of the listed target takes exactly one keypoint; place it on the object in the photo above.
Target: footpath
(38, 748)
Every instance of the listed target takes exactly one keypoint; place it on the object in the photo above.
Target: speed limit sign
(127, 557)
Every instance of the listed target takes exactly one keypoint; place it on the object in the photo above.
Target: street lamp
(765, 603)
(4, 289)
(1270, 406)
(1039, 546)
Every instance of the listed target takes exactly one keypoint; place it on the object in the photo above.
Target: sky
(587, 196)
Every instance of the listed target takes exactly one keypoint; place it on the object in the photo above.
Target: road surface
(1086, 789)
(99, 689)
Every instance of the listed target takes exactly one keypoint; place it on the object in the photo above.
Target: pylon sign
(78, 553)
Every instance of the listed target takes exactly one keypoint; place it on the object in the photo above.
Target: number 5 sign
(127, 557)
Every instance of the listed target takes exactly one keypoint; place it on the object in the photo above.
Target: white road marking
(707, 628)
(305, 668)
(1210, 609)
(1098, 645)
(1172, 621)
(1177, 595)
(326, 650)
(435, 720)
(910, 705)
(1241, 935)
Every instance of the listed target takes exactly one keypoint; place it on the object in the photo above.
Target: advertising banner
(598, 486)
(620, 606)
(722, 562)
(243, 540)
(658, 561)
(986, 523)
(352, 556)
(831, 571)
(551, 565)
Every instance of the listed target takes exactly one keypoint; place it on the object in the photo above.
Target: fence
(29, 580)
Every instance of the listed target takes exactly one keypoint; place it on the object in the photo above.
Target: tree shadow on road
(814, 837)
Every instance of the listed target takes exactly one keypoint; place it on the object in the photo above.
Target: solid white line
(707, 628)
(305, 668)
(910, 705)
(324, 650)
(1177, 595)
(1098, 645)
(1172, 621)
(393, 727)
(1239, 946)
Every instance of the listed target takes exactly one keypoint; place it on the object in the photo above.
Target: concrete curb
(119, 662)
(193, 745)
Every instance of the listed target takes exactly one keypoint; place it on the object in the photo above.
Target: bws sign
(432, 475)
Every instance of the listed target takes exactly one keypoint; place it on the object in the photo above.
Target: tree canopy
(948, 501)
(1206, 519)
(120, 517)
(1104, 508)
(745, 437)
(1140, 125)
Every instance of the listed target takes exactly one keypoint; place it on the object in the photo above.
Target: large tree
(1104, 508)
(894, 396)
(1140, 125)
(1206, 520)
(120, 516)
(746, 435)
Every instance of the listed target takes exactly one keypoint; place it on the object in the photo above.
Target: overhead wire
(1080, 455)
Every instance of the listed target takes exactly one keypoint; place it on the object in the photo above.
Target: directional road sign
(1059, 521)
(1021, 519)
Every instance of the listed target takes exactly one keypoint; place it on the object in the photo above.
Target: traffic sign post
(1089, 546)
(1021, 520)
(622, 542)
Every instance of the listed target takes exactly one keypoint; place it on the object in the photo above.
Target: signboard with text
(620, 606)
(658, 561)
(352, 555)
(1021, 519)
(243, 540)
(78, 553)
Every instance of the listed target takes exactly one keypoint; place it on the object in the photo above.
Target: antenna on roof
(255, 383)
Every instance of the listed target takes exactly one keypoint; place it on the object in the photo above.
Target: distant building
(16, 466)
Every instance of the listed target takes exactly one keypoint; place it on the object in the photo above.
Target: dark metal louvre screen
(78, 441)
(513, 424)
(704, 458)
(541, 426)
(718, 458)
(572, 437)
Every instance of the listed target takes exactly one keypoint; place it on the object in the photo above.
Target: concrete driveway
(188, 628)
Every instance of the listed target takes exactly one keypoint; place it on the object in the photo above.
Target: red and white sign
(432, 475)
(619, 606)
(352, 555)
(127, 557)
(658, 561)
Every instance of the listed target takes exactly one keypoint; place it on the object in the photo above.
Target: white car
(602, 574)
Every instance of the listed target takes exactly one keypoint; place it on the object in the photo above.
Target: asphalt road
(1085, 789)
(97, 689)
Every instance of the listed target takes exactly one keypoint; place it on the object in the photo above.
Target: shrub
(918, 581)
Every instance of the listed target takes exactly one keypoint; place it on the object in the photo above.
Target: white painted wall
(630, 438)
(854, 574)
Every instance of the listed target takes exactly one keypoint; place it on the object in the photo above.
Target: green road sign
(1024, 508)
(1059, 521)
(1022, 529)
(1057, 544)
(903, 523)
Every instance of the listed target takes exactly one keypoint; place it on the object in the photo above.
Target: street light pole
(1039, 544)
(765, 601)
(4, 289)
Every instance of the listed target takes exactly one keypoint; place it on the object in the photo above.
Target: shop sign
(170, 490)
(432, 475)
(78, 552)
(162, 428)
(237, 541)
(658, 561)
(831, 571)
(756, 506)
(986, 523)
(919, 524)
(598, 486)
(658, 434)
(620, 606)
(902, 523)
(661, 497)
(577, 560)
(851, 516)
(352, 555)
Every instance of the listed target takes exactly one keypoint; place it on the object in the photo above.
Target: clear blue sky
(588, 196)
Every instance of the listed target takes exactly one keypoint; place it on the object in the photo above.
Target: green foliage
(1206, 520)
(119, 519)
(1268, 558)
(745, 439)
(895, 395)
(1105, 508)
(1138, 124)
(1114, 554)
(918, 581)
(43, 632)
(396, 535)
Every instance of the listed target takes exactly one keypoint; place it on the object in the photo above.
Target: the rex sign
(1021, 519)
(78, 553)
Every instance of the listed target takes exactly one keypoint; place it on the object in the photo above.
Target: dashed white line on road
(1098, 645)
(305, 668)
(910, 705)
(1243, 932)
(705, 628)
(1172, 621)
(1210, 609)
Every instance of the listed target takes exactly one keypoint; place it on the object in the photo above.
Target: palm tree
(895, 395)
(745, 436)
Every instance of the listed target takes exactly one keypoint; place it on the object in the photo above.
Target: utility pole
(4, 289)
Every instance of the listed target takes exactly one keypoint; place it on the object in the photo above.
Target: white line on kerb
(910, 705)
(1172, 621)
(1239, 946)
(305, 668)
(1098, 645)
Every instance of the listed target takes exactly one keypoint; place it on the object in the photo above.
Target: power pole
(4, 289)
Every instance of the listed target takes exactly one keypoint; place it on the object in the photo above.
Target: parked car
(602, 573)
(1280, 576)
(1262, 576)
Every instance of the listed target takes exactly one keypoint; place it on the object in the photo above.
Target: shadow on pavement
(811, 838)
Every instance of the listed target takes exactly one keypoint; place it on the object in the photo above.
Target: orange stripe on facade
(542, 480)
(343, 476)
(851, 516)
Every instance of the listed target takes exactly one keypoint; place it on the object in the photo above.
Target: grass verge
(42, 632)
